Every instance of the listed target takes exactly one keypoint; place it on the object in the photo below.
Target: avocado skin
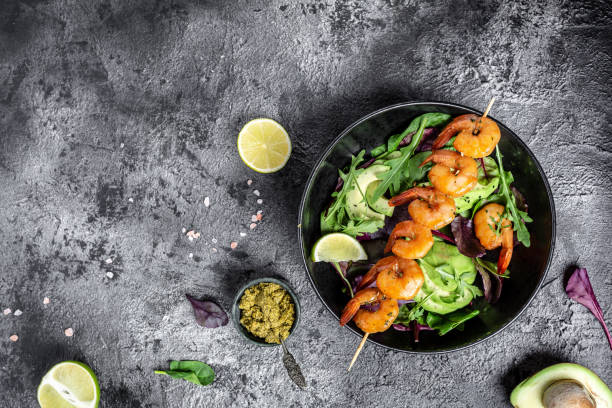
(528, 394)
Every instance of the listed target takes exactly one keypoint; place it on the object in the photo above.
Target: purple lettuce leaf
(484, 168)
(465, 238)
(399, 214)
(521, 201)
(207, 313)
(443, 236)
(429, 136)
(579, 288)
(368, 236)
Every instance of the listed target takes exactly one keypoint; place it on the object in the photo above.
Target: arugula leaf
(425, 120)
(362, 226)
(189, 370)
(445, 323)
(392, 179)
(522, 234)
(413, 173)
(334, 214)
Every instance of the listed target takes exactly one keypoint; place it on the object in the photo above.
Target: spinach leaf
(445, 323)
(193, 371)
(518, 218)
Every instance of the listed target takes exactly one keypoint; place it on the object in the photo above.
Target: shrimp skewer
(476, 136)
(419, 243)
(453, 174)
(369, 321)
(427, 206)
(492, 231)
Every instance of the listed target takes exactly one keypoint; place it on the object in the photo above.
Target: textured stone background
(118, 117)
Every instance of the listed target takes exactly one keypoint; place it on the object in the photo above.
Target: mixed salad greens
(360, 209)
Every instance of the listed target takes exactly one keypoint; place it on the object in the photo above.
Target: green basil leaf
(189, 370)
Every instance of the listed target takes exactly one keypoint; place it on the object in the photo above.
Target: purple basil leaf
(208, 313)
(467, 243)
(486, 282)
(521, 202)
(443, 236)
(367, 164)
(408, 138)
(399, 214)
(429, 136)
(579, 288)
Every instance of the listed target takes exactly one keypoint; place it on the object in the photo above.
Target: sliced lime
(69, 384)
(264, 145)
(338, 247)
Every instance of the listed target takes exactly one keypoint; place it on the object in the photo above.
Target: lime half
(338, 247)
(69, 384)
(264, 145)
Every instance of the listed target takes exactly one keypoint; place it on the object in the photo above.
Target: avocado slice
(381, 205)
(482, 189)
(357, 205)
(562, 385)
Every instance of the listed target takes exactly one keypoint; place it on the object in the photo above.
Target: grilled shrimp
(377, 321)
(476, 136)
(367, 296)
(388, 263)
(419, 243)
(396, 278)
(428, 206)
(402, 284)
(492, 234)
(453, 174)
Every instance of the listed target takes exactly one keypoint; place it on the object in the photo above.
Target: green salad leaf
(189, 370)
(518, 218)
(445, 323)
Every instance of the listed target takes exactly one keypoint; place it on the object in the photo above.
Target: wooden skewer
(365, 337)
(484, 115)
(486, 112)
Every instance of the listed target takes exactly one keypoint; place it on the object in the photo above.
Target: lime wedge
(264, 145)
(69, 384)
(338, 247)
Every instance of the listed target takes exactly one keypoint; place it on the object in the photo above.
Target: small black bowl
(236, 312)
(528, 267)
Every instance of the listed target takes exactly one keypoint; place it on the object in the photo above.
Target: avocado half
(562, 385)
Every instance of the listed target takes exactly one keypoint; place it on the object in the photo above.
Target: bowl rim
(517, 139)
(235, 312)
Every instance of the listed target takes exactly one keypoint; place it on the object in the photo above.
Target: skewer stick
(486, 112)
(484, 115)
(363, 340)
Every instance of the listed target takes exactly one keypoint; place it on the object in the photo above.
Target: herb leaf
(518, 221)
(425, 120)
(189, 370)
(445, 323)
(207, 313)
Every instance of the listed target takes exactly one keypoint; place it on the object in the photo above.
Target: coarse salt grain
(191, 234)
(46, 301)
(14, 338)
(214, 240)
(206, 201)
(259, 216)
(69, 332)
(259, 212)
(184, 230)
(110, 275)
(191, 254)
(233, 245)
(18, 312)
(252, 226)
(131, 200)
(109, 261)
(256, 192)
(121, 145)
(243, 234)
(253, 218)
(260, 201)
(249, 182)
(7, 311)
(214, 249)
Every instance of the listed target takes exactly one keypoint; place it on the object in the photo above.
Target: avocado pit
(567, 394)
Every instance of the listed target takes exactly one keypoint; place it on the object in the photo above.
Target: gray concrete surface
(117, 119)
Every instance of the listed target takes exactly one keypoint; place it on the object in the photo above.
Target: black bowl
(528, 267)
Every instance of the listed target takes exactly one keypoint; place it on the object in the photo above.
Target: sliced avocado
(381, 205)
(482, 189)
(562, 385)
(356, 202)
